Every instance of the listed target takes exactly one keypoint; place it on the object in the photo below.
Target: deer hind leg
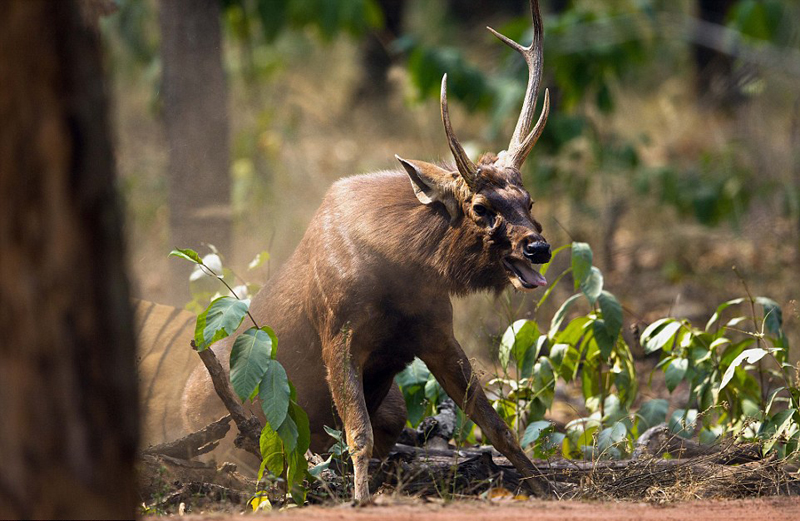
(347, 389)
(388, 421)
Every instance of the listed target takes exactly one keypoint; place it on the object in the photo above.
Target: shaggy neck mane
(459, 255)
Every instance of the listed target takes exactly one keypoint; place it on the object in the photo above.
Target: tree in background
(714, 69)
(67, 361)
(375, 56)
(195, 114)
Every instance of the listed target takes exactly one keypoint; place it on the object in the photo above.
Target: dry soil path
(779, 509)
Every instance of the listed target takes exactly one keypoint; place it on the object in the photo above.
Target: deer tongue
(526, 273)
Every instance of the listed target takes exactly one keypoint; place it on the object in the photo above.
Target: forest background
(673, 146)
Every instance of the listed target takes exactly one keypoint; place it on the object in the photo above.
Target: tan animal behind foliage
(165, 360)
(368, 289)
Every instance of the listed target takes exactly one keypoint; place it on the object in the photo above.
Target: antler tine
(527, 145)
(465, 166)
(524, 138)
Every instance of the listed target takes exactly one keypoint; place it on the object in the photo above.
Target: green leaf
(683, 422)
(544, 383)
(750, 355)
(773, 316)
(565, 360)
(289, 434)
(517, 340)
(334, 433)
(186, 254)
(735, 321)
(271, 451)
(654, 327)
(710, 435)
(651, 413)
(433, 391)
(296, 474)
(303, 427)
(250, 360)
(675, 372)
(415, 403)
(601, 336)
(415, 373)
(574, 331)
(558, 318)
(771, 399)
(533, 431)
(220, 320)
(662, 339)
(581, 262)
(316, 470)
(613, 409)
(722, 307)
(557, 354)
(612, 314)
(612, 436)
(718, 342)
(274, 393)
(776, 426)
(592, 285)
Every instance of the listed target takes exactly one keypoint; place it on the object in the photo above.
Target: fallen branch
(198, 492)
(469, 471)
(160, 475)
(658, 440)
(248, 424)
(201, 442)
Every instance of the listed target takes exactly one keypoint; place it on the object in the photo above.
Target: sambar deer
(368, 288)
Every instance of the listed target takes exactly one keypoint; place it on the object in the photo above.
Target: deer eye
(480, 210)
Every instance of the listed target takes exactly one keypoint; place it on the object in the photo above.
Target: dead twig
(194, 444)
(248, 424)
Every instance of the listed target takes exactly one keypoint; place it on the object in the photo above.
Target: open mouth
(524, 272)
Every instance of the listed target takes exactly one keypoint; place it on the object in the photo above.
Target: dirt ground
(778, 508)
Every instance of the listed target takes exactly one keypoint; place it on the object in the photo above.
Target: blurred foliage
(761, 20)
(329, 17)
(584, 76)
(591, 49)
(718, 188)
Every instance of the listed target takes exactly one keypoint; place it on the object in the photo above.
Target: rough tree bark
(68, 434)
(196, 119)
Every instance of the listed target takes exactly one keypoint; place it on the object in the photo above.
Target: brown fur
(367, 290)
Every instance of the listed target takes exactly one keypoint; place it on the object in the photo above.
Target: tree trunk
(375, 57)
(714, 78)
(196, 119)
(69, 424)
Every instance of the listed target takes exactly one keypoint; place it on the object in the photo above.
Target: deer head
(489, 196)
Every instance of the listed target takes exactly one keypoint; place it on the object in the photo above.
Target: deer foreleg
(454, 372)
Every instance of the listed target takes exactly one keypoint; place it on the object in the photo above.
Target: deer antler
(465, 166)
(523, 139)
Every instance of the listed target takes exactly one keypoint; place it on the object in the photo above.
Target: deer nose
(538, 252)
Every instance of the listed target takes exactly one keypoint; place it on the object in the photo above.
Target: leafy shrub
(740, 382)
(255, 373)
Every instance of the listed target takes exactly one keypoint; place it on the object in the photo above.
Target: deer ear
(432, 184)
